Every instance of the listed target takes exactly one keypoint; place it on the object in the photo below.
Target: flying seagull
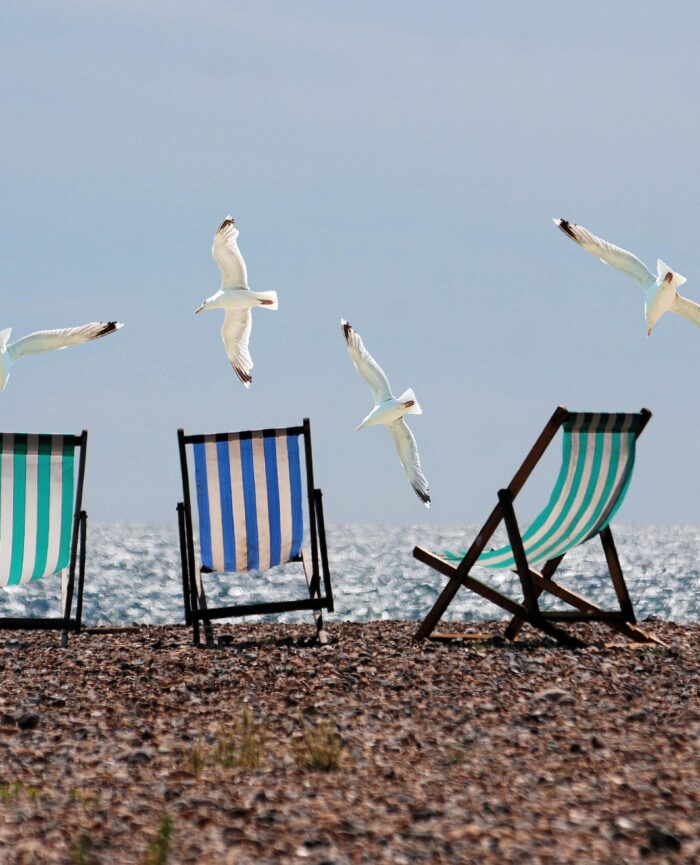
(660, 289)
(47, 340)
(389, 410)
(236, 299)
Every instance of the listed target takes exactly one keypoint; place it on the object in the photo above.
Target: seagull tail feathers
(409, 396)
(267, 298)
(663, 270)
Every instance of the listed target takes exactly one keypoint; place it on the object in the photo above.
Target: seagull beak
(649, 332)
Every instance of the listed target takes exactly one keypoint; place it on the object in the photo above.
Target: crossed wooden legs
(533, 584)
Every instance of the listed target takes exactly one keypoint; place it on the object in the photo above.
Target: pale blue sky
(397, 164)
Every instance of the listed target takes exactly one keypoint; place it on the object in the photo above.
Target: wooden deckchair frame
(66, 622)
(194, 598)
(533, 582)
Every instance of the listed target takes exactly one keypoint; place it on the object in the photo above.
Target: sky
(397, 164)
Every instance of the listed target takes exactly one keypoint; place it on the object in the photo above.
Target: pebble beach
(134, 747)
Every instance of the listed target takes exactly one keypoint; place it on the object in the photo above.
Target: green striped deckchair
(598, 452)
(42, 526)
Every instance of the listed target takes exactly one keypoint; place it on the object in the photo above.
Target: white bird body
(236, 298)
(47, 340)
(389, 411)
(660, 289)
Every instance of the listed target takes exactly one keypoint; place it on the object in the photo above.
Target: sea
(133, 576)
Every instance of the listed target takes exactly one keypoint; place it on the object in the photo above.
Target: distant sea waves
(133, 575)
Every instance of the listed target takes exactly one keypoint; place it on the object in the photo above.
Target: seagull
(660, 289)
(47, 340)
(389, 410)
(236, 298)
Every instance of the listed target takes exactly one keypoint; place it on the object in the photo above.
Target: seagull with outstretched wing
(389, 411)
(47, 340)
(660, 290)
(236, 299)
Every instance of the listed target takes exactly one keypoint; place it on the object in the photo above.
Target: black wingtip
(244, 376)
(565, 226)
(424, 497)
(109, 327)
(347, 327)
(228, 221)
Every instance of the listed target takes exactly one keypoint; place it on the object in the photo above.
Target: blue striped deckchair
(250, 495)
(598, 452)
(42, 525)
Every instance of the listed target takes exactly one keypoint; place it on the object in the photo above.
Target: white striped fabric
(36, 505)
(597, 460)
(249, 499)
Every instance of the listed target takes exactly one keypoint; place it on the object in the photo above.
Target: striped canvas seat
(36, 505)
(252, 491)
(597, 460)
(249, 498)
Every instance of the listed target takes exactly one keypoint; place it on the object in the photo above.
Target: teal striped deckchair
(250, 496)
(598, 453)
(42, 525)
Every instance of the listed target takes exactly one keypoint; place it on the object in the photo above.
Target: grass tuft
(320, 748)
(82, 850)
(86, 802)
(16, 789)
(245, 748)
(196, 759)
(159, 845)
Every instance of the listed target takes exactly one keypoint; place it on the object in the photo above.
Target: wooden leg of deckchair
(618, 580)
(314, 592)
(631, 631)
(525, 573)
(516, 624)
(183, 562)
(445, 597)
(516, 545)
(202, 604)
(66, 598)
(81, 573)
(494, 596)
(194, 618)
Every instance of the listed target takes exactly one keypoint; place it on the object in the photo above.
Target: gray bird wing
(235, 333)
(408, 454)
(608, 253)
(366, 365)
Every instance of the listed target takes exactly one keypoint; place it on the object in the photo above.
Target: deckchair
(598, 452)
(249, 489)
(42, 524)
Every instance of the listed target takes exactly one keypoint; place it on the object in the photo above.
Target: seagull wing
(408, 454)
(228, 256)
(54, 340)
(366, 365)
(616, 257)
(687, 308)
(235, 333)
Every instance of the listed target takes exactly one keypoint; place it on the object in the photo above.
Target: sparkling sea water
(133, 575)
